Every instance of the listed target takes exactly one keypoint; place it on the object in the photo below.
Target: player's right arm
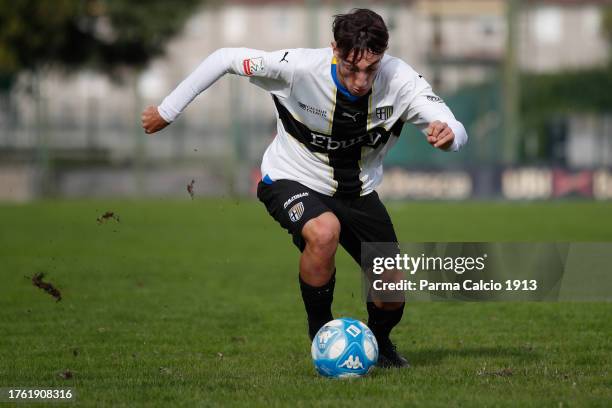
(272, 71)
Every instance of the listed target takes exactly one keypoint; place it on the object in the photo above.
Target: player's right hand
(152, 121)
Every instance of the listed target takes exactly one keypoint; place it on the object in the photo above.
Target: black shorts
(362, 219)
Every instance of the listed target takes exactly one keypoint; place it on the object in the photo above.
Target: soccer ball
(344, 348)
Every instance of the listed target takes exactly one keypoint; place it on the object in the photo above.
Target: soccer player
(339, 110)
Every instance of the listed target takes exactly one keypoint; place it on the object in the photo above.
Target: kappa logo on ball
(352, 362)
(353, 330)
(253, 65)
(296, 212)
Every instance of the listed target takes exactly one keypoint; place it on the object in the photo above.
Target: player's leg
(381, 320)
(321, 235)
(317, 269)
(367, 220)
(315, 232)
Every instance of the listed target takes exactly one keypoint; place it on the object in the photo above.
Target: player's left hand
(440, 135)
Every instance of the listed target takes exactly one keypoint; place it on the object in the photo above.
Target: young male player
(339, 110)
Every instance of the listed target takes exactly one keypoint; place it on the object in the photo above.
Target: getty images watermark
(487, 271)
(422, 263)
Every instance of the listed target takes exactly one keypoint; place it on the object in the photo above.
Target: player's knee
(322, 233)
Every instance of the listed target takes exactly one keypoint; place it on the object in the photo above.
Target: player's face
(358, 77)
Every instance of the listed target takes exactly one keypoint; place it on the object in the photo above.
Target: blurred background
(530, 79)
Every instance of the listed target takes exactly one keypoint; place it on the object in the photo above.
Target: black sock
(381, 322)
(317, 301)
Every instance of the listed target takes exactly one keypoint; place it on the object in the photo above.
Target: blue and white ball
(344, 348)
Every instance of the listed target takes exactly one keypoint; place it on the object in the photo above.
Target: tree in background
(100, 34)
(607, 24)
(548, 99)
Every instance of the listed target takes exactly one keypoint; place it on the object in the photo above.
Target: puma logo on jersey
(352, 362)
(353, 116)
(285, 56)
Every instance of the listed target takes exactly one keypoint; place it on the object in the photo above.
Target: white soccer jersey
(328, 140)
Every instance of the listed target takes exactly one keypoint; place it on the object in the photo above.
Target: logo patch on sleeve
(253, 65)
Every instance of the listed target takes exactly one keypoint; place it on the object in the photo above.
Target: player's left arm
(430, 114)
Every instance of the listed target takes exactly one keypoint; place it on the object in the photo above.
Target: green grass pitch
(196, 303)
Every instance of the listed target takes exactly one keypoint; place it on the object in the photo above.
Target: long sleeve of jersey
(272, 71)
(427, 107)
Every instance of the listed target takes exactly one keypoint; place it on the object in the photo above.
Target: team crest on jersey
(384, 112)
(253, 65)
(296, 212)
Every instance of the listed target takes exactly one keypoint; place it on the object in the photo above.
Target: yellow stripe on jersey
(333, 107)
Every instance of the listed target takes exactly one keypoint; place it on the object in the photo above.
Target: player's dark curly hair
(360, 31)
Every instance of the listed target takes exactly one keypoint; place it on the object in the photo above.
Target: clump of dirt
(66, 374)
(37, 280)
(190, 189)
(109, 215)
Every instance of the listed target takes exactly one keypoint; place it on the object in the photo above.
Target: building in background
(93, 124)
